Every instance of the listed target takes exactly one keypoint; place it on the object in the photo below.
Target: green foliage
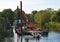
(34, 12)
(31, 18)
(58, 15)
(58, 26)
(47, 18)
(1, 26)
(8, 14)
(15, 12)
(51, 26)
(41, 18)
(0, 15)
(1, 39)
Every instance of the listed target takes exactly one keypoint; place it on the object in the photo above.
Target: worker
(36, 33)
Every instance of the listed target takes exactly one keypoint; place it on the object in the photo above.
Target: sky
(29, 5)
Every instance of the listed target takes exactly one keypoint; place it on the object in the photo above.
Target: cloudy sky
(30, 5)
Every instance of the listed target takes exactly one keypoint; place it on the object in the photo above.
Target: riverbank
(1, 38)
(5, 34)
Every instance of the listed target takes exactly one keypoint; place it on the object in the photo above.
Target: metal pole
(21, 20)
(21, 5)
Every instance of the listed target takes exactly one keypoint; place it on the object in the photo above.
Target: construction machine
(22, 13)
(29, 28)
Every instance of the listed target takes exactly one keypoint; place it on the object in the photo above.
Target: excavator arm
(28, 25)
(22, 13)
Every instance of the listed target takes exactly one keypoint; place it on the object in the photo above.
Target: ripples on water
(52, 37)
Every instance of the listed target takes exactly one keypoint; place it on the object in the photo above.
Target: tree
(34, 12)
(31, 18)
(58, 15)
(8, 14)
(41, 18)
(1, 21)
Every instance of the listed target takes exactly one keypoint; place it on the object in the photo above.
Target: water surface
(52, 37)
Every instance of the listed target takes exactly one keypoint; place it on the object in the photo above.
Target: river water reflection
(52, 37)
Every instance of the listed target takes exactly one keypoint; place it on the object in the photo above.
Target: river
(52, 37)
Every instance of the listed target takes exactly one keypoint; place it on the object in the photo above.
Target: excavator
(22, 13)
(27, 25)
